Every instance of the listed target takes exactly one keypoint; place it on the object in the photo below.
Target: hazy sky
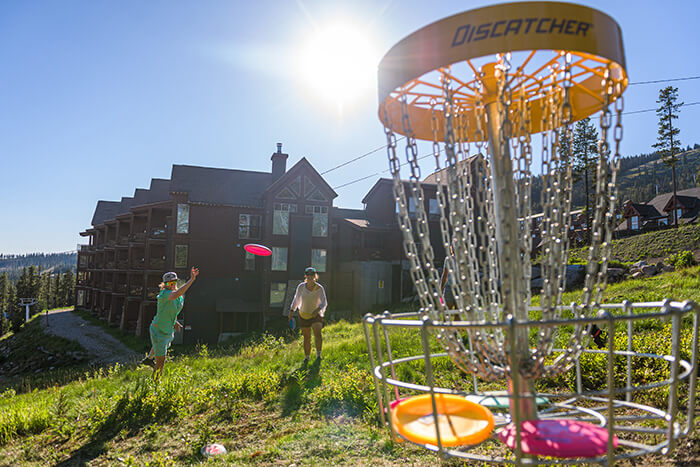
(98, 97)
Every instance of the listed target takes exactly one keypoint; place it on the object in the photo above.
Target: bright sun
(338, 63)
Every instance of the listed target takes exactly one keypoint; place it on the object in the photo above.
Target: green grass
(660, 244)
(260, 402)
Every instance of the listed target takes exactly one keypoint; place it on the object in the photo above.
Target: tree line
(57, 263)
(51, 290)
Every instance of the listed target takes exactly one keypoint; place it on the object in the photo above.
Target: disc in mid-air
(259, 250)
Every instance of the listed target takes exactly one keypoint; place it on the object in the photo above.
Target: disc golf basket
(495, 93)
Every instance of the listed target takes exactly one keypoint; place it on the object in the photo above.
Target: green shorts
(160, 341)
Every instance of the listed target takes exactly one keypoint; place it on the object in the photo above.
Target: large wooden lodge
(204, 216)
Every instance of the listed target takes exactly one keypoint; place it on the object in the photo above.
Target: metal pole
(508, 245)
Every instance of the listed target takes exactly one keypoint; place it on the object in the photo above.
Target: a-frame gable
(304, 182)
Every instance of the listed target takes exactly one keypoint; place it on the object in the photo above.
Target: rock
(637, 275)
(575, 274)
(536, 272)
(615, 274)
(639, 264)
(649, 270)
(668, 268)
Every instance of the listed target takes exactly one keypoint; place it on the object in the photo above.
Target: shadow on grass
(300, 382)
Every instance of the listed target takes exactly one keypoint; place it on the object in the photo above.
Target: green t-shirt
(167, 311)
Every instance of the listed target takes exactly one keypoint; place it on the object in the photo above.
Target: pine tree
(668, 141)
(584, 150)
(67, 288)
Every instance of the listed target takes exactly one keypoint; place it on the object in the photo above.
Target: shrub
(682, 259)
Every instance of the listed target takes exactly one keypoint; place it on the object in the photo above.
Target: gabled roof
(432, 178)
(646, 211)
(340, 213)
(390, 181)
(292, 172)
(660, 201)
(220, 186)
(105, 210)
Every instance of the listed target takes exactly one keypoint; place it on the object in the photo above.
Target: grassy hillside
(658, 244)
(263, 405)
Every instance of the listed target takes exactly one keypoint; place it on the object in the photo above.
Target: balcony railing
(120, 288)
(152, 292)
(139, 237)
(138, 263)
(136, 291)
(123, 240)
(158, 232)
(156, 263)
(123, 264)
(109, 265)
(109, 286)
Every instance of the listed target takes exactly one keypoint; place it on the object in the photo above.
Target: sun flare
(338, 63)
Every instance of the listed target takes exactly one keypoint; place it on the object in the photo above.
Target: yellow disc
(460, 421)
(545, 38)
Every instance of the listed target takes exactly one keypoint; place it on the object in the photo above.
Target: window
(180, 256)
(183, 218)
(411, 205)
(634, 222)
(280, 218)
(318, 260)
(81, 298)
(319, 227)
(249, 262)
(277, 291)
(248, 226)
(663, 221)
(433, 206)
(679, 213)
(279, 258)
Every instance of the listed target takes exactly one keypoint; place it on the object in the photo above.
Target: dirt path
(101, 347)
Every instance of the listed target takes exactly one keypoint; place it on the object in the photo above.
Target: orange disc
(460, 421)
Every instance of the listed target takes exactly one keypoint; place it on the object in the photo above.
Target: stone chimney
(279, 163)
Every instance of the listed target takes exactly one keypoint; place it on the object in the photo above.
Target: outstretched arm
(181, 291)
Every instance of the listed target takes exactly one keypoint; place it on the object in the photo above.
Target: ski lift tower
(27, 302)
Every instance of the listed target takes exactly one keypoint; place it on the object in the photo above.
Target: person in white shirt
(310, 300)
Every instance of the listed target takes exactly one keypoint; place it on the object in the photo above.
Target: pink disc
(255, 249)
(396, 402)
(559, 438)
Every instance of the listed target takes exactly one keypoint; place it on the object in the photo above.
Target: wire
(664, 80)
(359, 157)
(383, 171)
(403, 137)
(654, 110)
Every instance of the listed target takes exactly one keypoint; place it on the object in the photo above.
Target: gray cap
(169, 276)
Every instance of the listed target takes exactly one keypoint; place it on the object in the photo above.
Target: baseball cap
(169, 276)
(310, 271)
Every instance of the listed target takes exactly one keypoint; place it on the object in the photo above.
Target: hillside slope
(264, 406)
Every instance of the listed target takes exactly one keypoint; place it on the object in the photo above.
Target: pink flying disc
(559, 438)
(255, 249)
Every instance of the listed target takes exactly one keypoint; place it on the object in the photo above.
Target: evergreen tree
(584, 150)
(67, 291)
(668, 141)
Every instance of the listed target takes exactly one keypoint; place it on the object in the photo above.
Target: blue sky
(98, 97)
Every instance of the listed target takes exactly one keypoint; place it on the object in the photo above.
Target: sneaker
(148, 362)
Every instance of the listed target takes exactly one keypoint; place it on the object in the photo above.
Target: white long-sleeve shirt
(306, 301)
